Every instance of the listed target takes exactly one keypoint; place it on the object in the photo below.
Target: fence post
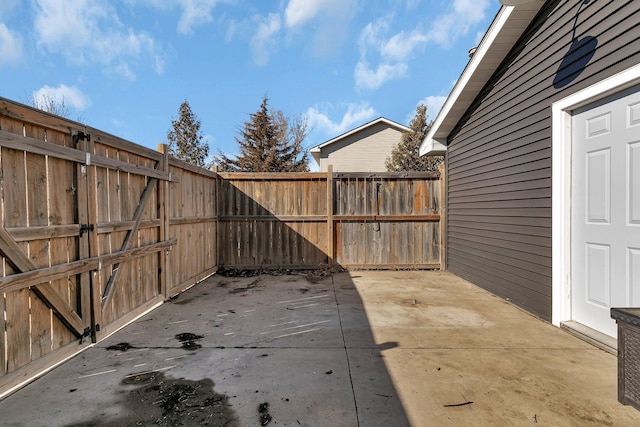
(443, 217)
(216, 213)
(331, 251)
(163, 215)
(88, 246)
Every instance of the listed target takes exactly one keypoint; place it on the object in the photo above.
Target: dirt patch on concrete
(312, 275)
(158, 400)
(244, 289)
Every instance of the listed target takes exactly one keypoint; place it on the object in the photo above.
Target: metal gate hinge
(84, 228)
(87, 332)
(81, 136)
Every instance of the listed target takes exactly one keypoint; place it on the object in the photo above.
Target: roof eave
(434, 148)
(391, 123)
(505, 30)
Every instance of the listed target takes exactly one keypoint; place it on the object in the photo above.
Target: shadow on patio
(300, 343)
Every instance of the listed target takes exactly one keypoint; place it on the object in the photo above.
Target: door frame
(561, 140)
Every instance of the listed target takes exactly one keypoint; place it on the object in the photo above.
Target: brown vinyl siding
(499, 154)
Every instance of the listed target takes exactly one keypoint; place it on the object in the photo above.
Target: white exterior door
(605, 219)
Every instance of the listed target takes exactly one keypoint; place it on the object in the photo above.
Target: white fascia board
(435, 134)
(435, 148)
(390, 123)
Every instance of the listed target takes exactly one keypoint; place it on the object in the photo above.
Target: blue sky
(125, 66)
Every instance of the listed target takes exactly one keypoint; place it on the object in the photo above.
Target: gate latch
(84, 228)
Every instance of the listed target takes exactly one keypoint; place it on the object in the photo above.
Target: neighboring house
(364, 149)
(542, 136)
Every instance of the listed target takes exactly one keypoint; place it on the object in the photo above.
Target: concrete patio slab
(366, 348)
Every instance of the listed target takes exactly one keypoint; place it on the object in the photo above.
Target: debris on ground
(313, 275)
(188, 340)
(157, 400)
(123, 346)
(265, 417)
(452, 405)
(244, 289)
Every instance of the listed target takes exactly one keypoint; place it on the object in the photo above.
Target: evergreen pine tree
(405, 156)
(184, 138)
(268, 142)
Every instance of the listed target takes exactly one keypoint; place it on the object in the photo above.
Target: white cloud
(402, 45)
(456, 23)
(124, 70)
(11, 50)
(87, 30)
(329, 21)
(299, 12)
(371, 43)
(71, 96)
(369, 78)
(159, 64)
(434, 105)
(355, 114)
(194, 13)
(372, 35)
(393, 53)
(262, 41)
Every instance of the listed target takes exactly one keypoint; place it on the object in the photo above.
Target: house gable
(364, 149)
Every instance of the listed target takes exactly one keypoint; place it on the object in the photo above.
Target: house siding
(499, 154)
(364, 151)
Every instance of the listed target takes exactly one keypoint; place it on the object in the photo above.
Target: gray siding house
(542, 136)
(363, 149)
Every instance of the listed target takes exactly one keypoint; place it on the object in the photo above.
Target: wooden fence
(97, 230)
(356, 220)
(387, 220)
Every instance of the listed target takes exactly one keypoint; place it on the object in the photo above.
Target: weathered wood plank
(129, 239)
(163, 220)
(38, 250)
(23, 113)
(35, 146)
(251, 176)
(331, 226)
(19, 281)
(17, 333)
(388, 218)
(3, 326)
(15, 208)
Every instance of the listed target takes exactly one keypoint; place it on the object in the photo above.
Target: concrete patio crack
(346, 351)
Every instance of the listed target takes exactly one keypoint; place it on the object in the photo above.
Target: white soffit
(502, 35)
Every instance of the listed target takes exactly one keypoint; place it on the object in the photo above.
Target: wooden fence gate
(81, 215)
